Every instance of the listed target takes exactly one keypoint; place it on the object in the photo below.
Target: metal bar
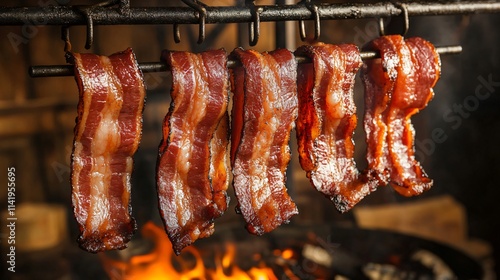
(68, 15)
(68, 70)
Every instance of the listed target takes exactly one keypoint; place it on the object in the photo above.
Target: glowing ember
(161, 263)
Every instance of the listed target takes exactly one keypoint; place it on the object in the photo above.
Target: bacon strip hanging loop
(326, 123)
(193, 163)
(397, 86)
(263, 114)
(107, 134)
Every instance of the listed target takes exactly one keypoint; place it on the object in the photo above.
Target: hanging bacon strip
(107, 134)
(192, 171)
(326, 123)
(397, 86)
(264, 110)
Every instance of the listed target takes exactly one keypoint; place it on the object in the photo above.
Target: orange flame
(159, 264)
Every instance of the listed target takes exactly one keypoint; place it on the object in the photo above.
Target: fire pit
(291, 252)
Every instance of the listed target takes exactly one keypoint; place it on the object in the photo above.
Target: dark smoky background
(457, 135)
(466, 109)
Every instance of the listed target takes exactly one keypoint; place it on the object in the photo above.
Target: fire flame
(159, 263)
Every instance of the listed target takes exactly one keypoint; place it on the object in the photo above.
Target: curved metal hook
(406, 18)
(87, 13)
(90, 30)
(404, 10)
(200, 7)
(65, 38)
(254, 25)
(177, 33)
(381, 26)
(317, 24)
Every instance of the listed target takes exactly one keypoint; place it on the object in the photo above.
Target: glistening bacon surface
(326, 123)
(397, 86)
(264, 110)
(107, 134)
(192, 171)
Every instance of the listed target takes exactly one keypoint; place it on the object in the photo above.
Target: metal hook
(406, 18)
(254, 25)
(404, 10)
(317, 25)
(65, 38)
(177, 33)
(86, 11)
(200, 7)
(90, 28)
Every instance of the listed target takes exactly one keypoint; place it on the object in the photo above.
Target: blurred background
(37, 120)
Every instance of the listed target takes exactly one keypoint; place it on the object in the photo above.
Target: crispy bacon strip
(264, 110)
(326, 123)
(107, 134)
(192, 171)
(396, 88)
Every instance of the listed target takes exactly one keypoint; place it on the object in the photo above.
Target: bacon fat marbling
(326, 123)
(264, 110)
(107, 134)
(193, 166)
(397, 86)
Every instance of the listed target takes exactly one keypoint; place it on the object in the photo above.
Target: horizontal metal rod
(68, 70)
(70, 15)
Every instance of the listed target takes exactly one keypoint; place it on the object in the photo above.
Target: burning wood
(162, 263)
